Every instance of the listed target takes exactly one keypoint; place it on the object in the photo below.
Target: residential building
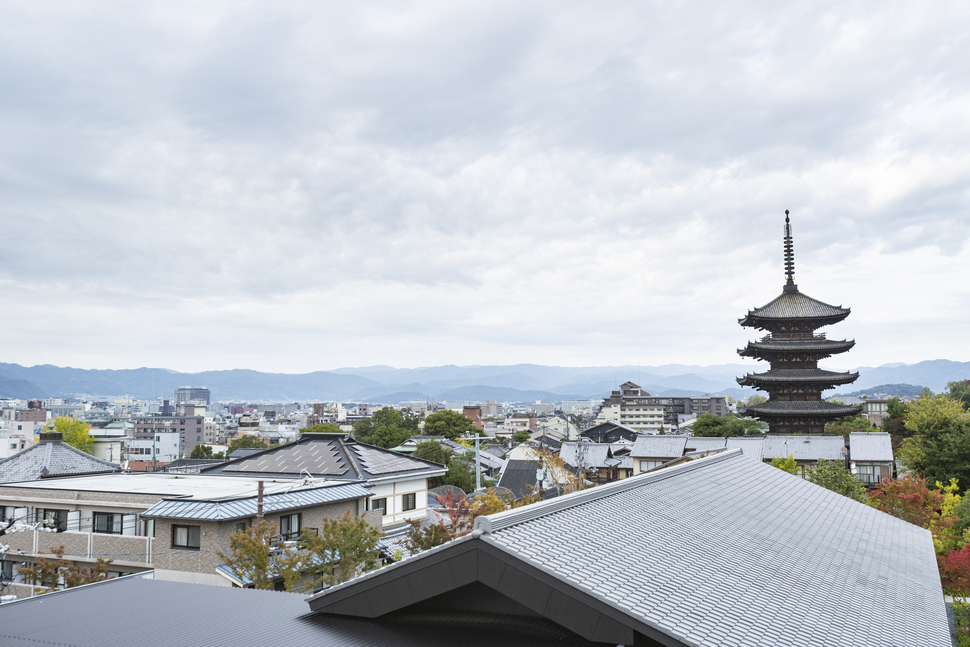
(871, 456)
(632, 406)
(806, 450)
(189, 427)
(491, 409)
(474, 413)
(15, 436)
(578, 405)
(520, 422)
(193, 395)
(51, 457)
(875, 411)
(111, 440)
(38, 414)
(399, 482)
(610, 432)
(653, 451)
(171, 523)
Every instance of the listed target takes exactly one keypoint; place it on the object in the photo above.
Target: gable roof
(658, 446)
(704, 443)
(805, 566)
(875, 446)
(518, 475)
(595, 455)
(51, 458)
(805, 448)
(332, 456)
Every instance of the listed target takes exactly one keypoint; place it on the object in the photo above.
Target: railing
(793, 337)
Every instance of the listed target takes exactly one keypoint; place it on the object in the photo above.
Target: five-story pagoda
(795, 382)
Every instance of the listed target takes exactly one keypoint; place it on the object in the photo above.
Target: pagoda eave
(772, 323)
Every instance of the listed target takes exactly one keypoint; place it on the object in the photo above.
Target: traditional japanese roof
(809, 408)
(595, 455)
(51, 458)
(704, 444)
(224, 616)
(816, 345)
(870, 446)
(659, 446)
(332, 456)
(239, 508)
(800, 376)
(805, 448)
(795, 305)
(750, 446)
(803, 567)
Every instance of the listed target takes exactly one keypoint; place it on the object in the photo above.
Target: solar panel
(315, 458)
(383, 462)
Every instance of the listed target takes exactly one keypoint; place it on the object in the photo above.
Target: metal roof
(802, 565)
(51, 458)
(874, 446)
(752, 447)
(246, 507)
(658, 446)
(805, 448)
(702, 443)
(595, 455)
(795, 305)
(164, 613)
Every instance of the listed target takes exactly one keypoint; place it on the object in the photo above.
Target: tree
(940, 442)
(47, 573)
(420, 539)
(387, 428)
(322, 428)
(521, 436)
(926, 392)
(959, 391)
(447, 423)
(908, 498)
(708, 425)
(755, 399)
(832, 475)
(895, 421)
(786, 464)
(76, 433)
(250, 556)
(345, 548)
(432, 451)
(246, 442)
(201, 451)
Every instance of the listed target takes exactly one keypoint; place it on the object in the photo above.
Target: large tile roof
(702, 443)
(795, 305)
(805, 448)
(810, 408)
(51, 458)
(658, 446)
(752, 446)
(799, 375)
(794, 564)
(874, 446)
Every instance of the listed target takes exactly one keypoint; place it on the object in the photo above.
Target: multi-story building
(193, 395)
(632, 406)
(191, 429)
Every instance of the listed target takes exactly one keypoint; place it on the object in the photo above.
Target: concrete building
(191, 429)
(193, 395)
(634, 407)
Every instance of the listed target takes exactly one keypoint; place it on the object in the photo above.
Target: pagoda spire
(789, 258)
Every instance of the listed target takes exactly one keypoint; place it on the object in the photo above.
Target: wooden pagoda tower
(794, 382)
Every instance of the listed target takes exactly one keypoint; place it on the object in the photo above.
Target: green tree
(832, 475)
(786, 464)
(387, 428)
(201, 451)
(344, 549)
(708, 425)
(432, 451)
(322, 428)
(895, 421)
(447, 423)
(47, 573)
(521, 436)
(250, 556)
(940, 442)
(76, 433)
(245, 442)
(755, 399)
(926, 392)
(959, 391)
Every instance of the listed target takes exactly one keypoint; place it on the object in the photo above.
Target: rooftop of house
(51, 457)
(518, 476)
(808, 448)
(658, 446)
(870, 446)
(803, 565)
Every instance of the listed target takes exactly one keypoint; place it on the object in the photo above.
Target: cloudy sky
(291, 186)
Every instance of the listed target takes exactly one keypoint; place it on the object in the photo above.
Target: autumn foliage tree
(46, 574)
(75, 433)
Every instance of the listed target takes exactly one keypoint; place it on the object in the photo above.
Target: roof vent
(51, 436)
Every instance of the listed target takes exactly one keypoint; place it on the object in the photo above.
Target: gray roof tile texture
(51, 458)
(794, 564)
(805, 448)
(658, 446)
(875, 446)
(797, 305)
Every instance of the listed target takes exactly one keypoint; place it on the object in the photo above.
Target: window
(409, 501)
(290, 526)
(6, 570)
(149, 527)
(242, 526)
(379, 504)
(649, 465)
(186, 536)
(6, 513)
(56, 519)
(107, 523)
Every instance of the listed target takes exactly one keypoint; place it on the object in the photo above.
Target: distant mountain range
(521, 382)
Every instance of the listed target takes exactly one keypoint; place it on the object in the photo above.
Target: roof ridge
(508, 518)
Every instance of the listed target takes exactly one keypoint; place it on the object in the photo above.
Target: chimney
(51, 436)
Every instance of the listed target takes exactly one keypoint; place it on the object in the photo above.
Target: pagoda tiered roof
(797, 376)
(768, 346)
(817, 408)
(792, 304)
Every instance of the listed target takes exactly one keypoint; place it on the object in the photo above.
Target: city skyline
(293, 187)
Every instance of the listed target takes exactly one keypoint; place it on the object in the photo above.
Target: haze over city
(295, 187)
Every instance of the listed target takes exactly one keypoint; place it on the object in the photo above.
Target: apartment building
(632, 406)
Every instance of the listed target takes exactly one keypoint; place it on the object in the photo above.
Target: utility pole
(478, 463)
(259, 502)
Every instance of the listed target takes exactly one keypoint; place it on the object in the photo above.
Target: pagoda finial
(789, 257)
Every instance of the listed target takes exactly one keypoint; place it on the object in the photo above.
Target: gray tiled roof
(799, 375)
(596, 454)
(518, 476)
(796, 305)
(700, 443)
(801, 565)
(875, 446)
(805, 448)
(658, 446)
(826, 345)
(51, 458)
(752, 447)
(809, 408)
(240, 508)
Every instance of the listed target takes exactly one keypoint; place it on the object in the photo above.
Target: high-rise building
(193, 395)
(794, 382)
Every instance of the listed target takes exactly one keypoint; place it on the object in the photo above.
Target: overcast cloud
(299, 186)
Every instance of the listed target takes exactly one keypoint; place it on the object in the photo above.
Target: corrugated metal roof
(658, 446)
(874, 446)
(805, 448)
(51, 458)
(162, 613)
(246, 507)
